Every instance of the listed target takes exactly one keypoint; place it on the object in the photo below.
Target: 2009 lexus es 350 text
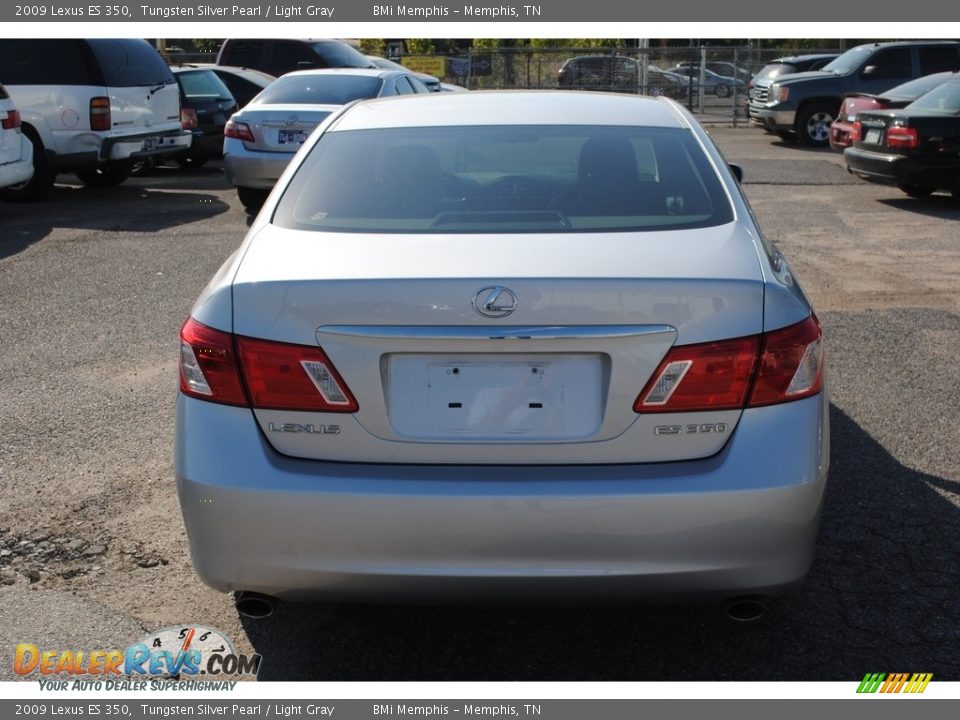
(503, 347)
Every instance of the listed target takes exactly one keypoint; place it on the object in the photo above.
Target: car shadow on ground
(882, 595)
(126, 208)
(939, 205)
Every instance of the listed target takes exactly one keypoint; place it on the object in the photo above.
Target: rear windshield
(130, 63)
(916, 88)
(320, 89)
(505, 179)
(341, 55)
(943, 99)
(203, 84)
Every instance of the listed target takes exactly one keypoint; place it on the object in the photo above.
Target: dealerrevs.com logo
(889, 683)
(173, 652)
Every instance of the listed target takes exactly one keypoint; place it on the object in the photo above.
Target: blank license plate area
(495, 398)
(872, 136)
(292, 137)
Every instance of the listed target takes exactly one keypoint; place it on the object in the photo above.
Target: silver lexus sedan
(501, 348)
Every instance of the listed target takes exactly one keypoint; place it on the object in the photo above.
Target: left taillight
(208, 365)
(265, 374)
(11, 121)
(775, 367)
(239, 131)
(100, 113)
(188, 118)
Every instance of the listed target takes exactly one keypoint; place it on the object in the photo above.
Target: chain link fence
(710, 81)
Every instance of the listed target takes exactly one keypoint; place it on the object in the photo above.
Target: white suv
(16, 151)
(92, 107)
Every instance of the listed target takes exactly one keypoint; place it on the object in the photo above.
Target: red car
(893, 99)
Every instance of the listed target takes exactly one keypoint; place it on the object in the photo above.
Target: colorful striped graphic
(895, 682)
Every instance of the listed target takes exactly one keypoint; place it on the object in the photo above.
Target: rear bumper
(145, 145)
(743, 521)
(19, 171)
(893, 169)
(253, 169)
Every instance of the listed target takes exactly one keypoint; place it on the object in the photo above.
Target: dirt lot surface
(95, 283)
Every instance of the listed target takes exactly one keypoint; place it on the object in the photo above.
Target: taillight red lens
(208, 365)
(100, 113)
(709, 376)
(791, 365)
(902, 137)
(11, 121)
(856, 131)
(779, 366)
(238, 130)
(188, 118)
(282, 376)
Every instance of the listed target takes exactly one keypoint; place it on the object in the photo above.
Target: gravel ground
(92, 550)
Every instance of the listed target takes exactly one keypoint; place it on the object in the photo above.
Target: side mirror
(737, 171)
(869, 70)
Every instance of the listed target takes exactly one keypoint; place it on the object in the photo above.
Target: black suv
(279, 57)
(805, 104)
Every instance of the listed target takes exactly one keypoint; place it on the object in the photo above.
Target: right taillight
(11, 121)
(774, 367)
(238, 130)
(902, 137)
(791, 364)
(856, 131)
(234, 370)
(100, 113)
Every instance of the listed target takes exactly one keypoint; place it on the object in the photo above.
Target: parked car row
(618, 73)
(892, 109)
(102, 108)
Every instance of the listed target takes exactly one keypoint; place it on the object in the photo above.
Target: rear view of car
(260, 140)
(92, 107)
(503, 347)
(841, 131)
(205, 105)
(916, 148)
(16, 150)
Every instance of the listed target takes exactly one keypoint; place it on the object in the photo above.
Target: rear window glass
(320, 89)
(505, 179)
(916, 88)
(944, 99)
(43, 62)
(337, 54)
(203, 83)
(130, 63)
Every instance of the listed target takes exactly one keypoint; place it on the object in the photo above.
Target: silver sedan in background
(504, 347)
(260, 139)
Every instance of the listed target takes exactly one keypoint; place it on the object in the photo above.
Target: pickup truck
(803, 105)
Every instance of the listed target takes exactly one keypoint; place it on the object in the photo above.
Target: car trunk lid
(282, 128)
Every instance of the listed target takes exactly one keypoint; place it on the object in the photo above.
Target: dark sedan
(916, 148)
(205, 106)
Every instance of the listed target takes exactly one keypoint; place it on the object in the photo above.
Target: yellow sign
(428, 64)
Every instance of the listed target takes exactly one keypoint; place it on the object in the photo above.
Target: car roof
(795, 58)
(512, 107)
(362, 72)
(906, 43)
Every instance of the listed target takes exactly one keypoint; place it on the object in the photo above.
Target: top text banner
(546, 11)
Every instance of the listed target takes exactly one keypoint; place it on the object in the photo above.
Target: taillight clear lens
(902, 137)
(11, 121)
(188, 118)
(282, 376)
(208, 366)
(709, 376)
(238, 130)
(791, 364)
(100, 113)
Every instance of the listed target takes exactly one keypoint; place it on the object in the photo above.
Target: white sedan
(503, 347)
